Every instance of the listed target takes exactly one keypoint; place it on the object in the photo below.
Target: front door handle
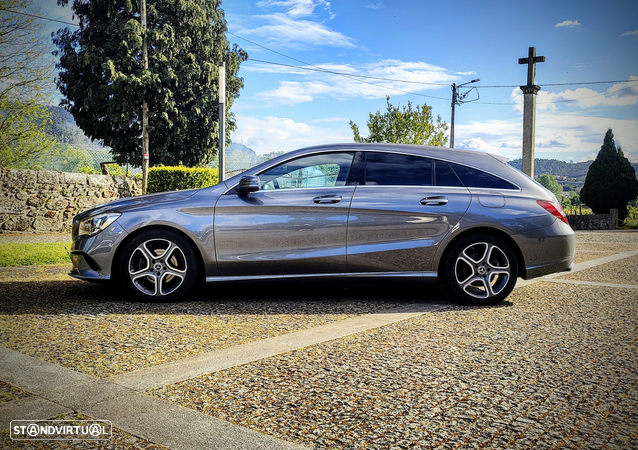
(324, 199)
(434, 201)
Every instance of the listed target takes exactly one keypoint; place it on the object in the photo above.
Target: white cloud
(374, 5)
(320, 84)
(568, 24)
(274, 134)
(297, 8)
(478, 144)
(620, 94)
(286, 31)
(630, 33)
(557, 136)
(293, 24)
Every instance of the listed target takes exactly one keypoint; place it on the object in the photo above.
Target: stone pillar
(529, 110)
(613, 219)
(529, 127)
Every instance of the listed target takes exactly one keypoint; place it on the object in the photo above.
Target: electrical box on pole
(459, 99)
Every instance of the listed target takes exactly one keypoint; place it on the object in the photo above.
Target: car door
(398, 216)
(295, 224)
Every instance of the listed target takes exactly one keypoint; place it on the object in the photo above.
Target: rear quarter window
(475, 178)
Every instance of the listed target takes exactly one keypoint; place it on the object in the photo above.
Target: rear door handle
(327, 199)
(434, 201)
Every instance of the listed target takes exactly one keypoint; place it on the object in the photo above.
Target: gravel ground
(101, 332)
(552, 368)
(620, 272)
(120, 440)
(34, 237)
(9, 393)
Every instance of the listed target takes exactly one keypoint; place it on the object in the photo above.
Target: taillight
(554, 208)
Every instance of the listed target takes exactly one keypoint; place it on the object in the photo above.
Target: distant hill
(64, 129)
(560, 169)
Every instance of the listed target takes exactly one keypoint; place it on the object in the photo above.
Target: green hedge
(164, 178)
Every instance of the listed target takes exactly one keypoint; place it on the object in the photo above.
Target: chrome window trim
(433, 158)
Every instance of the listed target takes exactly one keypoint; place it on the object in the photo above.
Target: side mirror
(248, 184)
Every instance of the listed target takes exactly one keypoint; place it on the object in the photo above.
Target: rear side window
(445, 176)
(390, 169)
(474, 178)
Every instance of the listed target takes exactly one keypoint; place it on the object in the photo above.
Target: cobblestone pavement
(120, 440)
(553, 367)
(103, 333)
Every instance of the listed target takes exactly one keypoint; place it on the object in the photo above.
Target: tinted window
(478, 179)
(326, 170)
(445, 176)
(389, 169)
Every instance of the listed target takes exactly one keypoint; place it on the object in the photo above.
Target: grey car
(465, 219)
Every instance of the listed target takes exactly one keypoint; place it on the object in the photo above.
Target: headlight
(94, 224)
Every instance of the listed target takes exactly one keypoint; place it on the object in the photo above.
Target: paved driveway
(332, 366)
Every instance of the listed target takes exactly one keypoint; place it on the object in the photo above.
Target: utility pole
(457, 99)
(222, 121)
(529, 110)
(454, 95)
(145, 151)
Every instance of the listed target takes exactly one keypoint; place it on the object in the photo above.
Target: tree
(404, 126)
(25, 71)
(103, 82)
(611, 181)
(550, 182)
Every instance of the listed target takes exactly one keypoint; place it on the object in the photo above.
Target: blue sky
(412, 42)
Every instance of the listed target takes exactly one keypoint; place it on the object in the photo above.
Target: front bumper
(92, 257)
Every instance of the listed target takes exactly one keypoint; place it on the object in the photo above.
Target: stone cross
(529, 110)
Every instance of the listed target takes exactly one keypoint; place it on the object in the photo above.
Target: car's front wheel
(481, 269)
(159, 265)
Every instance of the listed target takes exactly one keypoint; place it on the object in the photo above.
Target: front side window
(391, 169)
(315, 171)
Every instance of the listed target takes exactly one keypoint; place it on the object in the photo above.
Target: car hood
(129, 203)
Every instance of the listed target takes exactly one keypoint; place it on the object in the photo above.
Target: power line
(355, 77)
(35, 16)
(603, 94)
(320, 69)
(564, 84)
(312, 67)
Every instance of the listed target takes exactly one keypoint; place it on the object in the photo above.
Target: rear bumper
(548, 250)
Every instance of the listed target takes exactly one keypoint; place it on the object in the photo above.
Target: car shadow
(269, 297)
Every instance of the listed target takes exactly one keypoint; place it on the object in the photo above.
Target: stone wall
(595, 221)
(45, 201)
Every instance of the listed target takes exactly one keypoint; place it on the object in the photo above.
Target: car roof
(445, 153)
(497, 165)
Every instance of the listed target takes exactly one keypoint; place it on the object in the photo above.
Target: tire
(481, 269)
(159, 266)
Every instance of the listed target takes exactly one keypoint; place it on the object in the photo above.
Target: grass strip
(27, 254)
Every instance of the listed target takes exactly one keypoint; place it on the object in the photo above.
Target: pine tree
(611, 181)
(103, 83)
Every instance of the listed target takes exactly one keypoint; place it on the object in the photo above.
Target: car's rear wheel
(159, 266)
(481, 269)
